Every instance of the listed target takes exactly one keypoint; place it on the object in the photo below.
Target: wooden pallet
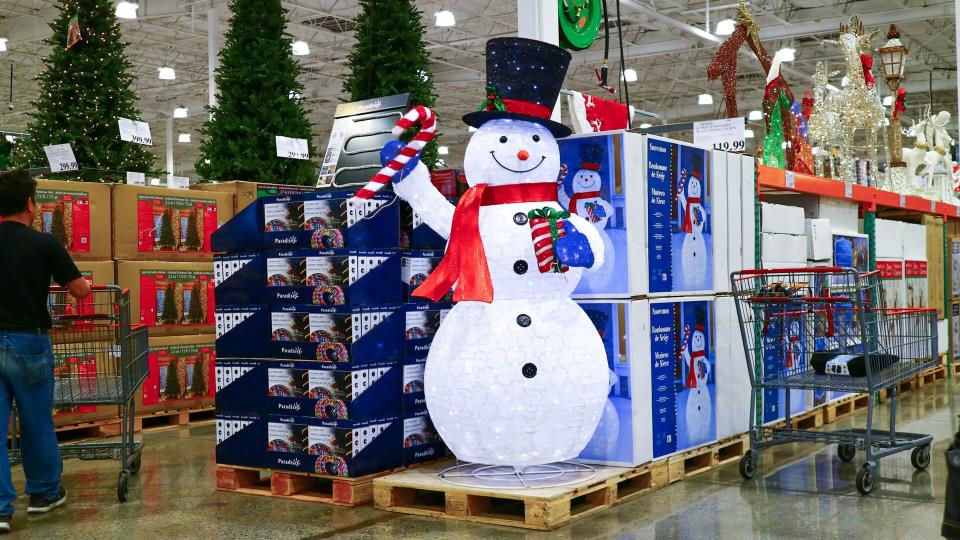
(422, 492)
(955, 367)
(297, 486)
(932, 375)
(836, 410)
(705, 458)
(811, 419)
(92, 430)
(175, 418)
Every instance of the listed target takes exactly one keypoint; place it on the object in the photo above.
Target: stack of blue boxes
(311, 331)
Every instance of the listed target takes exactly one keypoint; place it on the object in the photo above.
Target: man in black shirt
(28, 261)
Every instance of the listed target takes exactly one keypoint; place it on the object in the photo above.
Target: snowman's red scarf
(583, 195)
(465, 262)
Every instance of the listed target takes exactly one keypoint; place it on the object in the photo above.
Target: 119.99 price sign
(726, 134)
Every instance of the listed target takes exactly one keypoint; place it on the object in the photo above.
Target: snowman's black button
(520, 218)
(520, 267)
(529, 370)
(523, 320)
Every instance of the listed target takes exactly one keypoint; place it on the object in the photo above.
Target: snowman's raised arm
(593, 237)
(426, 200)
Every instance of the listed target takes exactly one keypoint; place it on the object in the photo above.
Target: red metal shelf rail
(869, 197)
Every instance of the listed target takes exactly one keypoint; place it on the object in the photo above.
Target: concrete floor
(805, 492)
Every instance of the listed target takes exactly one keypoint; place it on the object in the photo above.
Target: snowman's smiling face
(508, 151)
(586, 180)
(693, 187)
(698, 341)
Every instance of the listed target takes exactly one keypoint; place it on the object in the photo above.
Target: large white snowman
(693, 255)
(699, 404)
(516, 374)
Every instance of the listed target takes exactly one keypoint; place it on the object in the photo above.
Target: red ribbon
(691, 381)
(577, 197)
(866, 62)
(900, 104)
(807, 105)
(465, 261)
(793, 339)
(687, 225)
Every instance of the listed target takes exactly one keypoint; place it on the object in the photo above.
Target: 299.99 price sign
(61, 158)
(292, 148)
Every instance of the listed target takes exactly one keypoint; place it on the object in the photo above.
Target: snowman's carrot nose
(522, 155)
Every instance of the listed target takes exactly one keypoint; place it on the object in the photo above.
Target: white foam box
(943, 336)
(780, 218)
(914, 242)
(819, 239)
(889, 238)
(784, 247)
(748, 188)
(782, 265)
(843, 215)
(733, 379)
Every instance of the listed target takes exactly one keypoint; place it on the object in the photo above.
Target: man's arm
(79, 287)
(65, 271)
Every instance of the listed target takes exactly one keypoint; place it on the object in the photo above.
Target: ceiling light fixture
(726, 27)
(300, 48)
(844, 81)
(887, 101)
(444, 17)
(183, 137)
(646, 126)
(630, 75)
(755, 116)
(166, 73)
(3, 44)
(126, 10)
(748, 134)
(704, 99)
(787, 54)
(443, 150)
(180, 112)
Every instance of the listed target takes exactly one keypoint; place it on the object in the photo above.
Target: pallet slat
(315, 488)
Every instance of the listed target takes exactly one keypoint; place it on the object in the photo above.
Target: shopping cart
(827, 329)
(99, 359)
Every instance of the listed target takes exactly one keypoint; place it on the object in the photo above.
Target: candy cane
(428, 130)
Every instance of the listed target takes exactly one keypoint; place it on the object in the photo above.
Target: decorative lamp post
(893, 55)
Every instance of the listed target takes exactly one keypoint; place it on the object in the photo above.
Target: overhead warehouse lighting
(126, 10)
(445, 17)
(844, 81)
(300, 48)
(748, 134)
(887, 101)
(183, 137)
(787, 54)
(443, 150)
(755, 116)
(630, 75)
(704, 99)
(726, 27)
(646, 126)
(180, 112)
(166, 73)
(3, 44)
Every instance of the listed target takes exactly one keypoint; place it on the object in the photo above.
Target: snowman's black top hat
(524, 77)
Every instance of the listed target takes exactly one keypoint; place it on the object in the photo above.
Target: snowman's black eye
(503, 139)
(536, 138)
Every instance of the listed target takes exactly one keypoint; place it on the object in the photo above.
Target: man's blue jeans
(26, 375)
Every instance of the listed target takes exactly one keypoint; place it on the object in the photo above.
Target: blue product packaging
(320, 220)
(326, 391)
(241, 440)
(332, 447)
(341, 334)
(332, 277)
(421, 441)
(242, 331)
(421, 322)
(239, 278)
(239, 382)
(415, 267)
(415, 234)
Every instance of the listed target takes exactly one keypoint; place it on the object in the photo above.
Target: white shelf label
(933, 206)
(61, 158)
(136, 178)
(903, 200)
(790, 180)
(848, 190)
(289, 147)
(726, 134)
(135, 131)
(178, 182)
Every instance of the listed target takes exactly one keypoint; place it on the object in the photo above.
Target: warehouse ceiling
(664, 41)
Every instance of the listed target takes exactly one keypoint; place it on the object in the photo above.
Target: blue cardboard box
(239, 278)
(332, 447)
(415, 267)
(331, 391)
(421, 442)
(415, 234)
(321, 220)
(354, 334)
(421, 322)
(413, 396)
(333, 277)
(241, 439)
(241, 385)
(242, 331)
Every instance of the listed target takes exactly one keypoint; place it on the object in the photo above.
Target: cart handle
(802, 269)
(57, 288)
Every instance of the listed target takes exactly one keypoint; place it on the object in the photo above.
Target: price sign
(61, 158)
(726, 134)
(293, 148)
(178, 182)
(848, 190)
(136, 178)
(903, 200)
(789, 180)
(135, 131)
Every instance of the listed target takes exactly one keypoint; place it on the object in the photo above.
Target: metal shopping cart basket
(99, 359)
(827, 329)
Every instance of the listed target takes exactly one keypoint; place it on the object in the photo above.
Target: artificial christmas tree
(173, 388)
(167, 240)
(390, 57)
(192, 242)
(83, 90)
(168, 315)
(195, 311)
(5, 150)
(258, 98)
(197, 385)
(57, 227)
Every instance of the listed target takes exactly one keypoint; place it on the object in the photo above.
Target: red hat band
(527, 108)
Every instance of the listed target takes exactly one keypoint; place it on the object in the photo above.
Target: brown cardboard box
(245, 193)
(78, 214)
(180, 356)
(151, 281)
(63, 304)
(98, 272)
(155, 223)
(84, 371)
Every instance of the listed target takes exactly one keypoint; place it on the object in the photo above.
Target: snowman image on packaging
(516, 374)
(699, 409)
(581, 194)
(693, 256)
